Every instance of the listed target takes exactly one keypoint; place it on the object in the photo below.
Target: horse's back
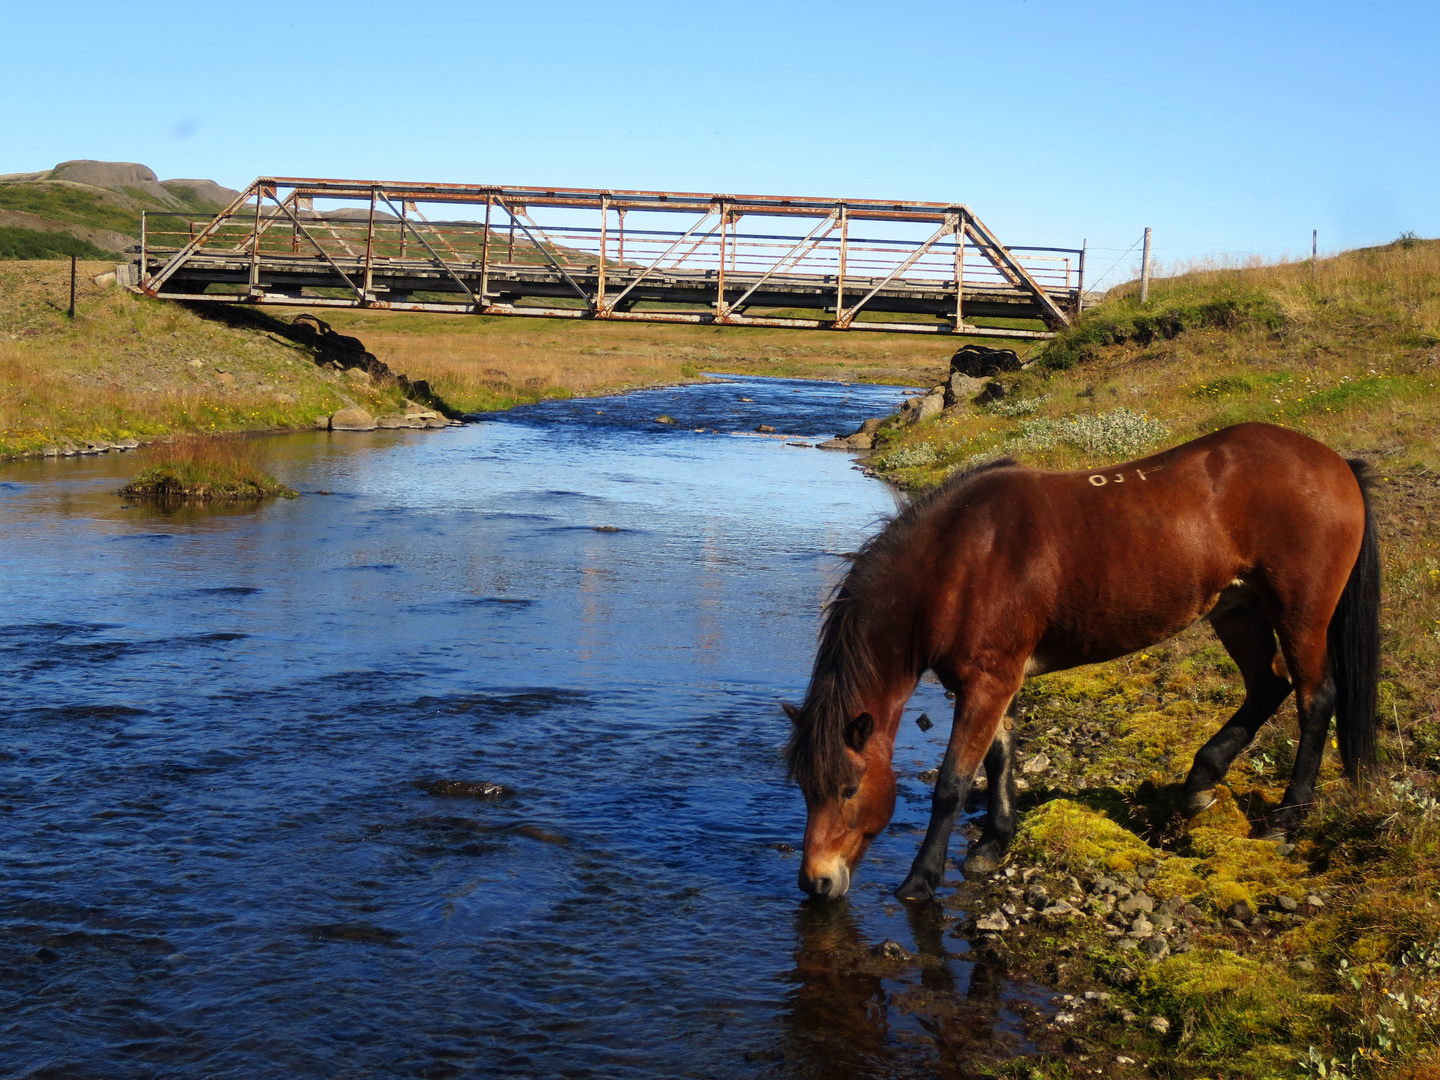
(1113, 559)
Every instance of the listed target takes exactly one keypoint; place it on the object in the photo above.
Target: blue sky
(1231, 128)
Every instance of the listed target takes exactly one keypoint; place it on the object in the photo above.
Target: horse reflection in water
(855, 1013)
(1007, 572)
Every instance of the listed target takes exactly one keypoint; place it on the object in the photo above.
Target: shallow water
(220, 856)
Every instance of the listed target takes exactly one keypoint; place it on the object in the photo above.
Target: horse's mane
(844, 664)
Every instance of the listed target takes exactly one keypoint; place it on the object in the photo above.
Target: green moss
(1070, 836)
(1236, 1010)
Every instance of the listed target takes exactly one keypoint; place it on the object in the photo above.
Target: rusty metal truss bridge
(646, 256)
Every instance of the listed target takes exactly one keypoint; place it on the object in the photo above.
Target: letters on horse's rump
(1007, 571)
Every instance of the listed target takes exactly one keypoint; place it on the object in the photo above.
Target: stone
(923, 722)
(1164, 923)
(1036, 896)
(1036, 765)
(834, 444)
(1141, 927)
(1284, 850)
(993, 923)
(666, 418)
(437, 422)
(861, 441)
(359, 375)
(1155, 947)
(929, 776)
(931, 404)
(1286, 903)
(979, 361)
(961, 388)
(891, 950)
(322, 423)
(51, 451)
(1102, 885)
(763, 429)
(225, 379)
(1135, 903)
(871, 426)
(353, 418)
(195, 363)
(1314, 901)
(1158, 1025)
(1240, 910)
(1305, 965)
(1058, 909)
(1236, 924)
(1173, 906)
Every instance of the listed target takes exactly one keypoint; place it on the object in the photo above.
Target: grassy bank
(126, 367)
(1345, 987)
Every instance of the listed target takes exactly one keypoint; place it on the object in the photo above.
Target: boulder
(932, 404)
(980, 362)
(352, 419)
(862, 441)
(834, 444)
(322, 423)
(870, 426)
(961, 387)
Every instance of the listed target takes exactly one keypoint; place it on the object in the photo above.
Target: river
(225, 850)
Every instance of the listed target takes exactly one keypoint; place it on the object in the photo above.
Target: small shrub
(207, 469)
(1118, 433)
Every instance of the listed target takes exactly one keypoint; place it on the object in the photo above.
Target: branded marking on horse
(1100, 479)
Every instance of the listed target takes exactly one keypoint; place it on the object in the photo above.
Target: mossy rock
(1070, 836)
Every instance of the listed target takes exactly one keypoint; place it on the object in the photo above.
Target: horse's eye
(850, 792)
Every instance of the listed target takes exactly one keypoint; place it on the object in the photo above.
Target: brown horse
(1007, 571)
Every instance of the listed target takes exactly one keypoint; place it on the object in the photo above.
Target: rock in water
(463, 789)
(352, 419)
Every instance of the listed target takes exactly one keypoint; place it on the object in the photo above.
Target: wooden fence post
(1145, 269)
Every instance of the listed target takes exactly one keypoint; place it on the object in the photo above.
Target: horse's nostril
(820, 886)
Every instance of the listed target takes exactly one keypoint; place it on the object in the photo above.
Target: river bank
(129, 368)
(1319, 958)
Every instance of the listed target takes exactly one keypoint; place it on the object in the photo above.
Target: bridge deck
(388, 254)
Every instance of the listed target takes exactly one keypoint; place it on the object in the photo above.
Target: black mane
(844, 664)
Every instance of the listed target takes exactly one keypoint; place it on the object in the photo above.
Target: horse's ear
(791, 711)
(858, 732)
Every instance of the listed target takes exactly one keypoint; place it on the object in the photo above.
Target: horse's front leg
(979, 712)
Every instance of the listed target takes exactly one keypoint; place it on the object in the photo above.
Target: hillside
(91, 209)
(1348, 986)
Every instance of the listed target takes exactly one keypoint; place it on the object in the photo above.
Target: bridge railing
(852, 259)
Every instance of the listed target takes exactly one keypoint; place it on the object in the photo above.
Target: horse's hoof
(915, 888)
(1197, 802)
(984, 859)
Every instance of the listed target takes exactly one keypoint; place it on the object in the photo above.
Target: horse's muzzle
(829, 885)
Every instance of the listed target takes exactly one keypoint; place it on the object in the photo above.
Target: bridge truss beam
(853, 264)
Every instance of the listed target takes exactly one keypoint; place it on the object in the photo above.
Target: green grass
(76, 206)
(17, 243)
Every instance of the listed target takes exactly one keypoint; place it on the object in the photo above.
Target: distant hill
(92, 208)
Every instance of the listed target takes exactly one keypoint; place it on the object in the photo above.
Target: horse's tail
(1354, 646)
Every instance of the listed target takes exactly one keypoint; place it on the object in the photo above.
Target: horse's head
(849, 798)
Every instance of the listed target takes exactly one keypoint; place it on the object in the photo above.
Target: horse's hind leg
(1315, 701)
(1249, 639)
(985, 856)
